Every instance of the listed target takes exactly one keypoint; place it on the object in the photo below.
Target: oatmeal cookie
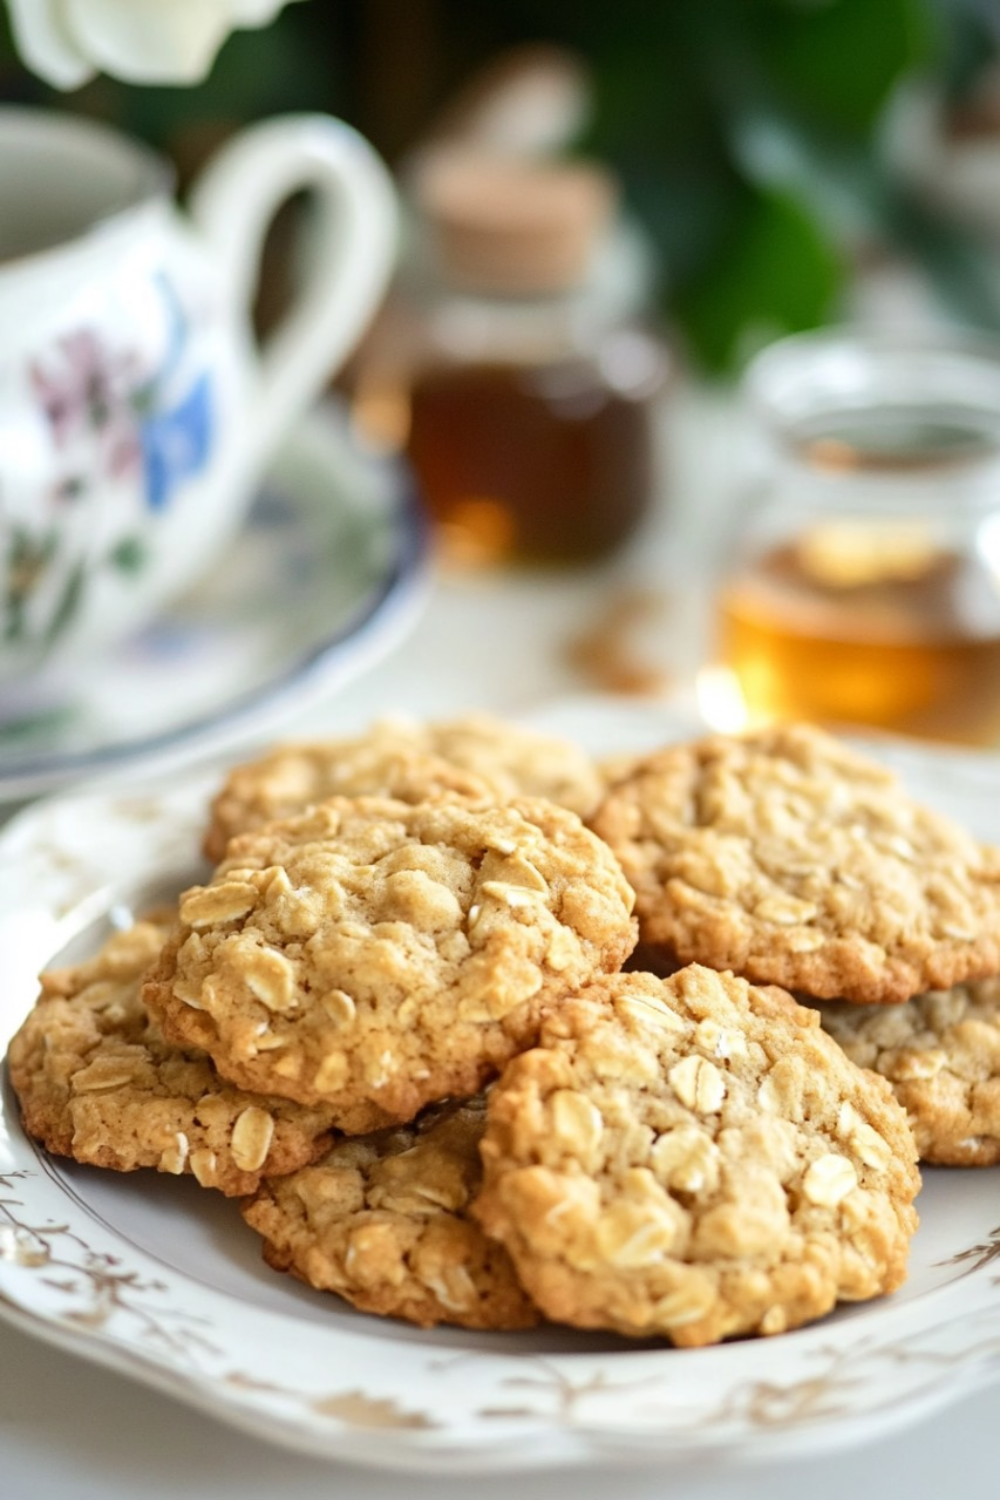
(941, 1054)
(383, 1221)
(373, 957)
(696, 1158)
(476, 757)
(790, 859)
(98, 1083)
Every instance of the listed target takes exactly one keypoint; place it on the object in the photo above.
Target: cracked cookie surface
(941, 1055)
(792, 860)
(695, 1158)
(97, 1082)
(476, 756)
(374, 957)
(383, 1221)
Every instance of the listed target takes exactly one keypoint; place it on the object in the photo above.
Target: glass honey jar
(516, 365)
(863, 581)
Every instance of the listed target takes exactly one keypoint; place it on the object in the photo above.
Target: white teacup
(136, 409)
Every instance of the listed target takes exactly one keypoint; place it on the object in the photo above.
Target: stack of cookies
(482, 1033)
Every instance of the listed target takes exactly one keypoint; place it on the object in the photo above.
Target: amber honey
(905, 638)
(542, 464)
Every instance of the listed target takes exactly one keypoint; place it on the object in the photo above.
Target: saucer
(326, 575)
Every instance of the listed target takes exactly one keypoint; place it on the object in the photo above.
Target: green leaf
(129, 556)
(961, 267)
(775, 273)
(68, 604)
(46, 721)
(848, 187)
(839, 59)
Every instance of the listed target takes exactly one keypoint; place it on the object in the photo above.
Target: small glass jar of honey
(863, 584)
(515, 364)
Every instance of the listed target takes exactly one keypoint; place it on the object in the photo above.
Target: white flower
(142, 41)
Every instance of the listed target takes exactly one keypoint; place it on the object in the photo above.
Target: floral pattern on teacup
(176, 443)
(87, 394)
(119, 421)
(108, 417)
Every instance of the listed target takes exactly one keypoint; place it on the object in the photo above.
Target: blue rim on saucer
(327, 574)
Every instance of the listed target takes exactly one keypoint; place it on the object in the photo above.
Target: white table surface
(73, 1431)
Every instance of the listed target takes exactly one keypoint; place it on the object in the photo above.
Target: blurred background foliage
(748, 133)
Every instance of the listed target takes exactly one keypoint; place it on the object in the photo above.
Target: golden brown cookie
(788, 858)
(98, 1083)
(477, 757)
(373, 957)
(383, 1221)
(941, 1055)
(696, 1158)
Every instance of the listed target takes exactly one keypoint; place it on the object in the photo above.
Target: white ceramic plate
(326, 575)
(163, 1281)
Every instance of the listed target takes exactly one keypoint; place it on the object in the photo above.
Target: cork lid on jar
(512, 225)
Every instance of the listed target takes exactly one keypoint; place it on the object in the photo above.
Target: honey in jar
(531, 385)
(549, 464)
(865, 588)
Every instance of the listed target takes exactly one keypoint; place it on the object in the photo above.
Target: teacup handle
(233, 203)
